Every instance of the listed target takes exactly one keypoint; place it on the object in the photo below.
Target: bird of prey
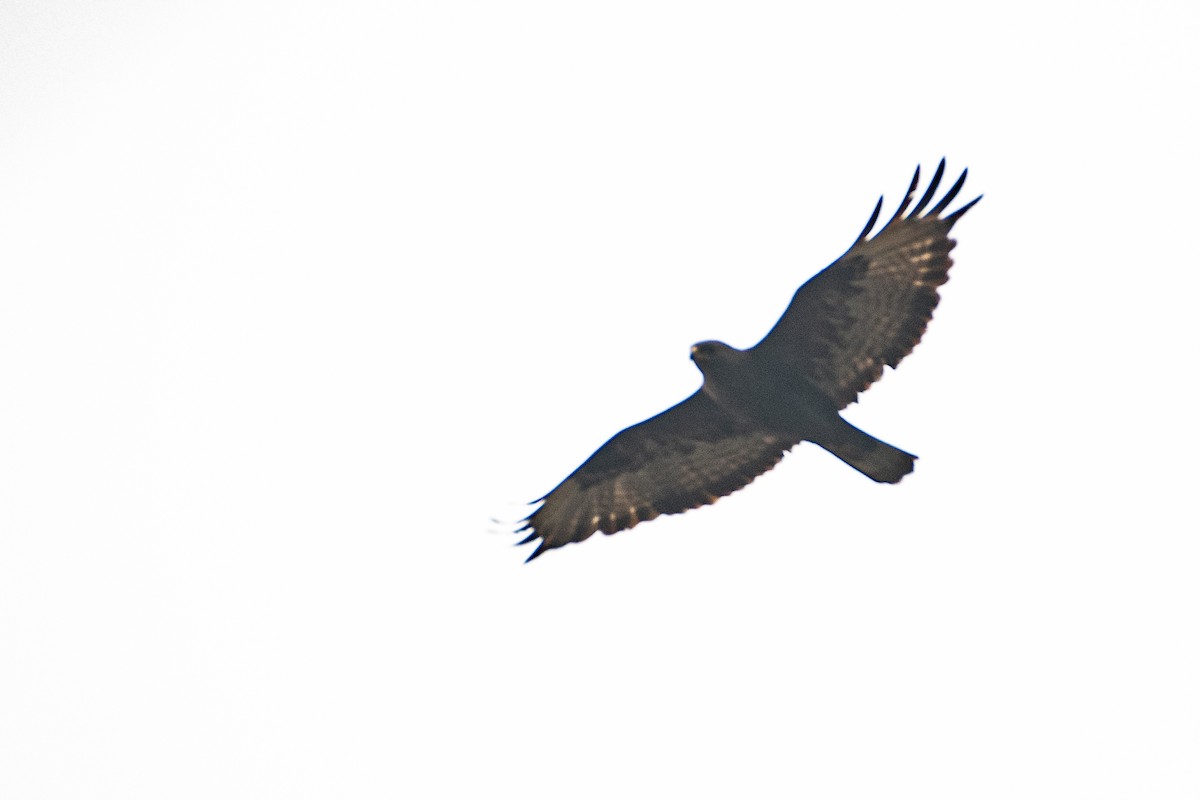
(865, 310)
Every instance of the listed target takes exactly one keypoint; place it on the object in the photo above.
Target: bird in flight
(865, 310)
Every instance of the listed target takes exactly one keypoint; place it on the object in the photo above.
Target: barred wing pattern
(686, 457)
(871, 306)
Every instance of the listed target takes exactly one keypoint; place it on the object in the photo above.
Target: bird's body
(779, 401)
(866, 310)
(789, 407)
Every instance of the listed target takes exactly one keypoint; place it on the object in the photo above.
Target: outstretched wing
(688, 456)
(871, 306)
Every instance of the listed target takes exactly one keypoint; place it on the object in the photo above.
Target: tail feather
(878, 460)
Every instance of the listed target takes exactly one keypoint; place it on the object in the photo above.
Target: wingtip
(931, 191)
(908, 196)
(871, 222)
(952, 218)
(936, 211)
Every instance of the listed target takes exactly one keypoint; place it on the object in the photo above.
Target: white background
(295, 298)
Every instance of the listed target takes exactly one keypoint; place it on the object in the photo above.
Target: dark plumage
(865, 310)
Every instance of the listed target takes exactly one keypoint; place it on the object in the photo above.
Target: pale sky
(297, 299)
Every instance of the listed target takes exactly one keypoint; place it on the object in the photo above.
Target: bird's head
(709, 355)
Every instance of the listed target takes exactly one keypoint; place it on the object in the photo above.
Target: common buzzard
(867, 309)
